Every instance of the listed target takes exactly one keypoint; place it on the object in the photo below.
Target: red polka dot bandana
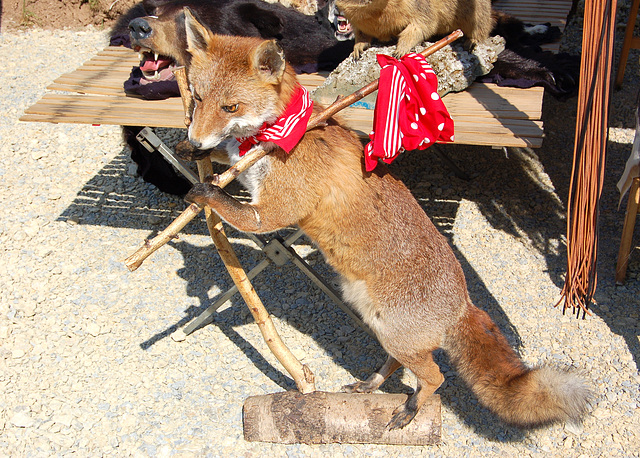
(409, 113)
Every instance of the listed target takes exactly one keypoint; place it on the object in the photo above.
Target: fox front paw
(202, 193)
(185, 150)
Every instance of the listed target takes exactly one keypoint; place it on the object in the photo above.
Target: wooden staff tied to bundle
(150, 246)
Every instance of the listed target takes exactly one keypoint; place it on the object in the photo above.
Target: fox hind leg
(376, 379)
(429, 380)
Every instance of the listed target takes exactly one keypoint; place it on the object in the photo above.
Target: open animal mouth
(343, 31)
(344, 26)
(154, 66)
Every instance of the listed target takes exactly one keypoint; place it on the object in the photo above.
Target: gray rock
(455, 67)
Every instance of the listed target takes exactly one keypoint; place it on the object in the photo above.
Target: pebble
(22, 420)
(88, 365)
(93, 329)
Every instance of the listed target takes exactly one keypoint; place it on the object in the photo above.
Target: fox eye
(231, 108)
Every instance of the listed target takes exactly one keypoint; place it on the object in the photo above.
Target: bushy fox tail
(519, 395)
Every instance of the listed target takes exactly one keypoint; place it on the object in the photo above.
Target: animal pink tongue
(153, 65)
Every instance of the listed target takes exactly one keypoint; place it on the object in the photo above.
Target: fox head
(237, 83)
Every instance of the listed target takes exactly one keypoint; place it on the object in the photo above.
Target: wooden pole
(630, 41)
(627, 231)
(150, 246)
(300, 373)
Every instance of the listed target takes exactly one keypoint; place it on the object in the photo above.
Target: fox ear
(268, 61)
(198, 35)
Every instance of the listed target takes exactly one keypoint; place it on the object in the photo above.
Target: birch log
(322, 418)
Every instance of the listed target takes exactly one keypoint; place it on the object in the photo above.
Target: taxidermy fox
(414, 21)
(396, 269)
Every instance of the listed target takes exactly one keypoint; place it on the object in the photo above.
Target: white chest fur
(252, 177)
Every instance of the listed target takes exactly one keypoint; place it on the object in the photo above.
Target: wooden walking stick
(300, 373)
(150, 246)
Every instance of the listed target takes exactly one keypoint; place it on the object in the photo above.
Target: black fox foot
(185, 150)
(402, 416)
(202, 193)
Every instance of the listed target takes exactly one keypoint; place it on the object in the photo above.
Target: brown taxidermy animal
(396, 269)
(414, 21)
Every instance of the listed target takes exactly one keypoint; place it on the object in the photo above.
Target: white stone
(93, 329)
(22, 420)
(64, 419)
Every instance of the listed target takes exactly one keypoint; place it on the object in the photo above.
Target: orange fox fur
(414, 21)
(397, 270)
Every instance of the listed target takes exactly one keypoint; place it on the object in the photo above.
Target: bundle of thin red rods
(589, 155)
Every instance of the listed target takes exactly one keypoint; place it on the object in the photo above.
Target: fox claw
(401, 418)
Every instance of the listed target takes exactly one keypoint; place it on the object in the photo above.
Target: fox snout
(206, 143)
(201, 144)
(201, 138)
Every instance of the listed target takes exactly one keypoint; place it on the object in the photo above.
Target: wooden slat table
(485, 114)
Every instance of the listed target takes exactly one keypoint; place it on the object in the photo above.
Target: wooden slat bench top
(484, 114)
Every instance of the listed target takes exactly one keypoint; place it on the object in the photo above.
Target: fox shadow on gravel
(315, 315)
(509, 190)
(114, 197)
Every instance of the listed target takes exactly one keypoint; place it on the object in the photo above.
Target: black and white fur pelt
(523, 63)
(310, 43)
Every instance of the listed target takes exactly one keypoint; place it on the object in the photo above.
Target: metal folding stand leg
(152, 143)
(277, 250)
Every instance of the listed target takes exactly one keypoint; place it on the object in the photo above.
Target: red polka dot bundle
(409, 113)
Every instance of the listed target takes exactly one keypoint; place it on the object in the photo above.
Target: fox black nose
(139, 28)
(196, 144)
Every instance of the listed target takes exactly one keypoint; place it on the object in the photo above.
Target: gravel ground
(87, 365)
